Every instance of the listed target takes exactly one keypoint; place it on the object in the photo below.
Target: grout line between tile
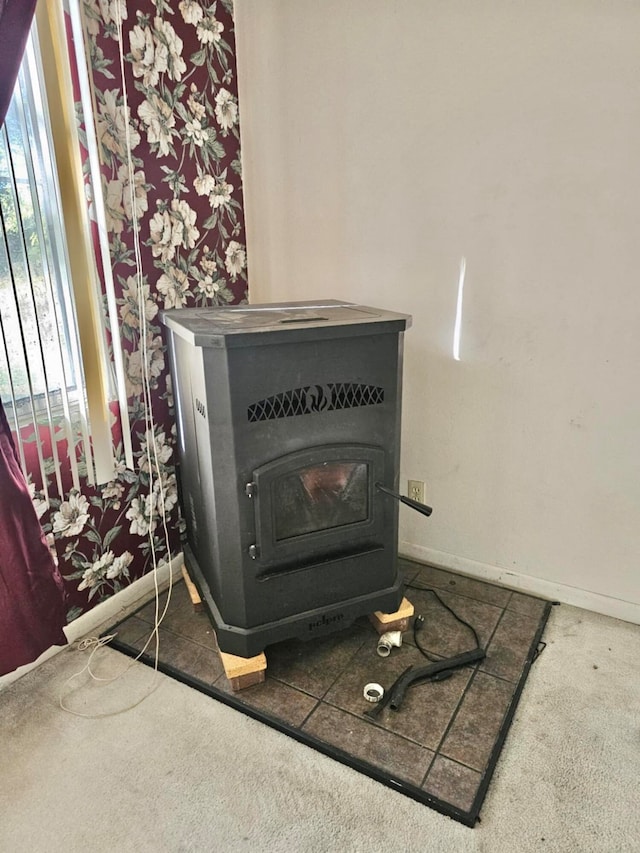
(475, 580)
(344, 669)
(459, 704)
(188, 639)
(378, 725)
(459, 595)
(312, 711)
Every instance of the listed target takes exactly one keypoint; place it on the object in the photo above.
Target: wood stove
(288, 415)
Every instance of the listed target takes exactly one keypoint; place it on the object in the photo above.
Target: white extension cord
(96, 643)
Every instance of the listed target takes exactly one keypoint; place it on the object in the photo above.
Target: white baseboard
(628, 611)
(114, 609)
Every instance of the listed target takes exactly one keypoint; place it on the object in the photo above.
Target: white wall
(383, 141)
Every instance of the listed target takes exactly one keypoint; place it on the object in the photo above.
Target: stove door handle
(423, 508)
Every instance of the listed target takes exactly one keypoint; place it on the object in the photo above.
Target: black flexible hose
(422, 673)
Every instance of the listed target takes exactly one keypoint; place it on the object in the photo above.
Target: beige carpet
(181, 772)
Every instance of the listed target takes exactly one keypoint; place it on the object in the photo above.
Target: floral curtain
(180, 76)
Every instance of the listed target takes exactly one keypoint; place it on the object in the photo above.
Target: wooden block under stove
(398, 621)
(194, 595)
(243, 672)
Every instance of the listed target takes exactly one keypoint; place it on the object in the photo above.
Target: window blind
(42, 379)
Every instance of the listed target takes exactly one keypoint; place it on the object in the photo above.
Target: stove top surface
(207, 326)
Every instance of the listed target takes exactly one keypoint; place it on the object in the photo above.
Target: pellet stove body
(287, 417)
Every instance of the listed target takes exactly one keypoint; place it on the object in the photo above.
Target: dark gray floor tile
(476, 725)
(183, 654)
(453, 783)
(390, 752)
(313, 666)
(426, 709)
(148, 612)
(509, 646)
(441, 579)
(527, 605)
(131, 631)
(182, 619)
(281, 701)
(367, 666)
(441, 634)
(408, 568)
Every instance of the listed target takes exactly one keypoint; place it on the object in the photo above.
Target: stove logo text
(326, 621)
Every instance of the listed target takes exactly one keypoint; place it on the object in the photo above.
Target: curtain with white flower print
(183, 138)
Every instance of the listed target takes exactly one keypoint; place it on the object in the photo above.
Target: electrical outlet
(416, 490)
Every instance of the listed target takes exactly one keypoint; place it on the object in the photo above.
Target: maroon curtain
(32, 609)
(15, 21)
(31, 591)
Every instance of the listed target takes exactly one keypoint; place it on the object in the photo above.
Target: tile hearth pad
(441, 746)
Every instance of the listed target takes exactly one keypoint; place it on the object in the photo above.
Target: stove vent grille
(311, 399)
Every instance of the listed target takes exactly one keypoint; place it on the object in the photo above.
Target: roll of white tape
(373, 692)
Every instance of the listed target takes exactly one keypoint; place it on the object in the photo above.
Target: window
(54, 374)
(42, 382)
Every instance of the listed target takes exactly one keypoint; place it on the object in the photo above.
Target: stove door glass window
(314, 504)
(320, 497)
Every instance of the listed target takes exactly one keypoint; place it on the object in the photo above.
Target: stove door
(316, 505)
